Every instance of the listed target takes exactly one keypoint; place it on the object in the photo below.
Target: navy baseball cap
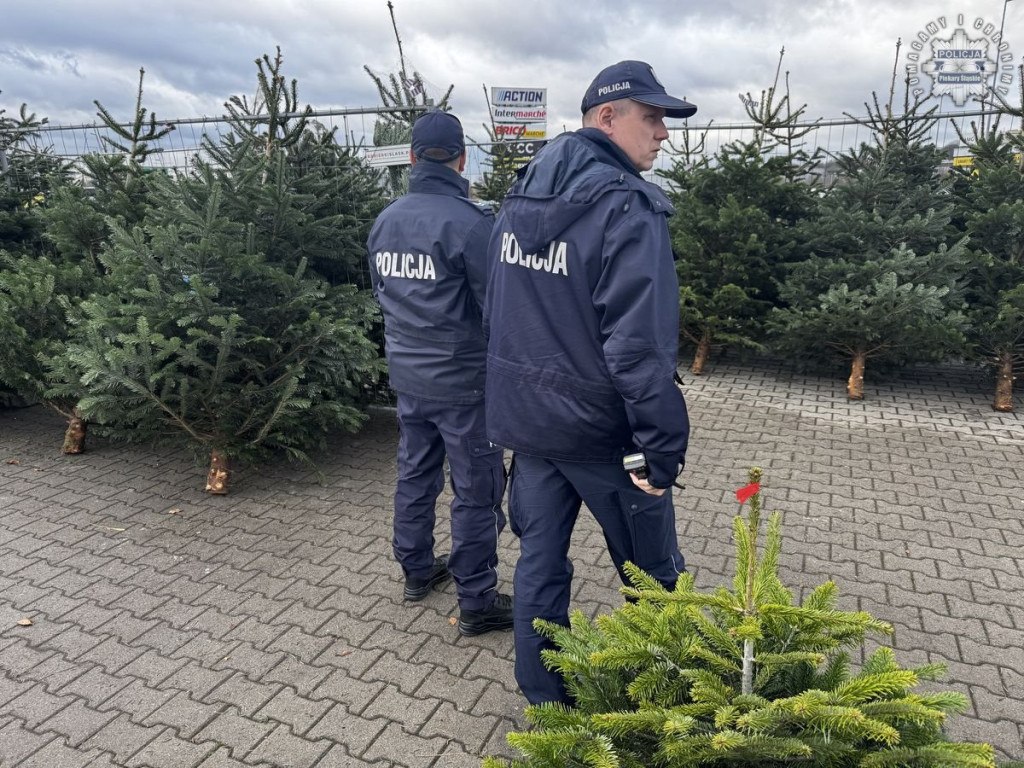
(634, 80)
(437, 136)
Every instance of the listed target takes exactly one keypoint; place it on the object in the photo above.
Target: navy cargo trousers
(544, 500)
(430, 430)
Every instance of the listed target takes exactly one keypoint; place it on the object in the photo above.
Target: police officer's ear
(412, 158)
(462, 162)
(605, 115)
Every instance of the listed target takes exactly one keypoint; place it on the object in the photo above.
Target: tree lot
(226, 309)
(892, 262)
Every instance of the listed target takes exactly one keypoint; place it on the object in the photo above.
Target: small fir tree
(502, 165)
(738, 677)
(880, 280)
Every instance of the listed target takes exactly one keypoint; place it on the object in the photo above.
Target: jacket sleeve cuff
(663, 468)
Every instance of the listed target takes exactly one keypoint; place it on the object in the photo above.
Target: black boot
(498, 615)
(417, 589)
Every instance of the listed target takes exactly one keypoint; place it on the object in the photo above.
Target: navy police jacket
(427, 254)
(582, 313)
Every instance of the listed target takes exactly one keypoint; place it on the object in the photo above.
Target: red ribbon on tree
(747, 491)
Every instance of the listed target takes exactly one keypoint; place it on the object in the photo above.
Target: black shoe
(498, 615)
(417, 589)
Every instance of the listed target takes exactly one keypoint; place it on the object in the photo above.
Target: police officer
(582, 315)
(427, 258)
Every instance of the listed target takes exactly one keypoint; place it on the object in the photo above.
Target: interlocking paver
(355, 732)
(410, 711)
(11, 689)
(244, 694)
(441, 684)
(195, 679)
(299, 712)
(57, 754)
(123, 738)
(283, 749)
(170, 751)
(153, 667)
(272, 617)
(17, 742)
(221, 758)
(112, 655)
(405, 748)
(77, 722)
(185, 715)
(138, 700)
(472, 730)
(95, 686)
(235, 731)
(243, 657)
(300, 644)
(354, 693)
(35, 705)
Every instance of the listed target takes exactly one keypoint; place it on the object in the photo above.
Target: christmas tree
(40, 286)
(992, 198)
(502, 166)
(732, 232)
(880, 280)
(736, 677)
(223, 339)
(500, 161)
(26, 178)
(733, 228)
(34, 279)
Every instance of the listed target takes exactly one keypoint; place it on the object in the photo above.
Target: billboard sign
(519, 97)
(382, 157)
(519, 113)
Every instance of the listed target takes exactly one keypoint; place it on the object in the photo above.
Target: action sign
(519, 113)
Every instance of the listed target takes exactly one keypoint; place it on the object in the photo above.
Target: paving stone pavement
(265, 628)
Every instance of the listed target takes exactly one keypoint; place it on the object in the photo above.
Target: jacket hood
(564, 181)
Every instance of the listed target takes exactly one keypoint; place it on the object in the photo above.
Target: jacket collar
(608, 151)
(437, 179)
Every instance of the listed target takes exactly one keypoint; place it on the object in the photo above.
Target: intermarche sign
(519, 113)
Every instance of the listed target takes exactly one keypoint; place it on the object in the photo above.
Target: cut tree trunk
(74, 436)
(217, 477)
(855, 384)
(701, 357)
(1004, 383)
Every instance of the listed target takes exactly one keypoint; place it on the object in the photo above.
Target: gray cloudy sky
(59, 55)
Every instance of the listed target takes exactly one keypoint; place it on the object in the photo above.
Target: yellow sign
(966, 161)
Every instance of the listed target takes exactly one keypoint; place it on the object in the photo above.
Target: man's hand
(645, 486)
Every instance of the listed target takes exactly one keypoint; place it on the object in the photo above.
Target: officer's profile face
(637, 129)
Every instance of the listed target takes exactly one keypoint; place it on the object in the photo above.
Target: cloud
(61, 57)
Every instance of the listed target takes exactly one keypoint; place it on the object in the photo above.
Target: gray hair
(622, 106)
